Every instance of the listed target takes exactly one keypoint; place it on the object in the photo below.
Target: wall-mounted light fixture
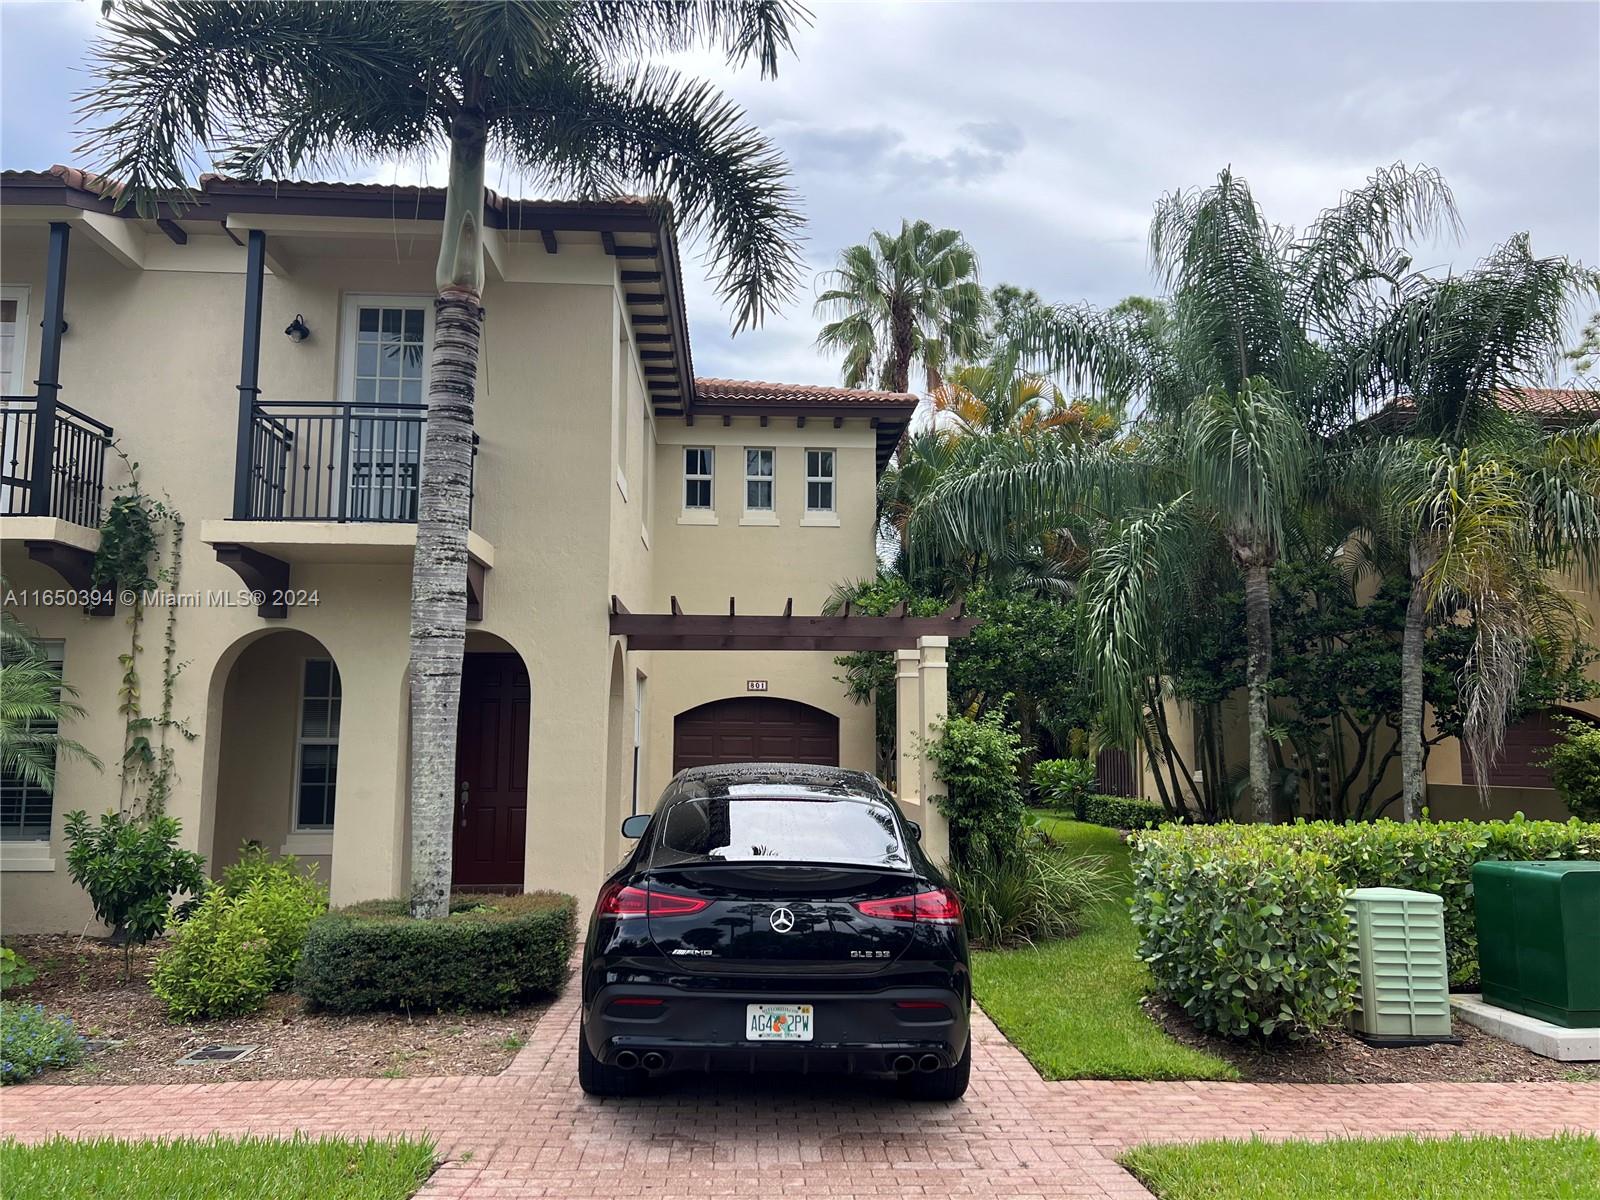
(298, 330)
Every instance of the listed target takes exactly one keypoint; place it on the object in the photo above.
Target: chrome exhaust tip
(627, 1060)
(904, 1064)
(928, 1062)
(653, 1061)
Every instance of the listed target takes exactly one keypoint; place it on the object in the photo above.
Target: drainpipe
(49, 381)
(249, 372)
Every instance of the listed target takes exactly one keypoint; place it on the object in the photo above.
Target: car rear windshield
(844, 829)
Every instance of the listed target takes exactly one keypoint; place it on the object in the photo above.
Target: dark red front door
(492, 772)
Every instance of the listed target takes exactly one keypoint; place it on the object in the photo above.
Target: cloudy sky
(1045, 131)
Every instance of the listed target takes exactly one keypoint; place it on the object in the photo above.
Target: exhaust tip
(928, 1062)
(627, 1060)
(904, 1064)
(653, 1061)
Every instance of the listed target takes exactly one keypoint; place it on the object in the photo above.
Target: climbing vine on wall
(141, 553)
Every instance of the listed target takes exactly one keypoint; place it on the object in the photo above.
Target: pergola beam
(842, 633)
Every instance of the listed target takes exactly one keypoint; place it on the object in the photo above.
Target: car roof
(804, 778)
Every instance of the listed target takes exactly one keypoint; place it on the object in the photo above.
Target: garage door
(1521, 760)
(754, 729)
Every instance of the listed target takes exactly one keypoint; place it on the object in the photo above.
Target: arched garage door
(754, 729)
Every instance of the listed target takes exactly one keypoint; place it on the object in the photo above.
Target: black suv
(773, 916)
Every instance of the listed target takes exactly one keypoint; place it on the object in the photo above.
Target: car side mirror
(914, 830)
(634, 826)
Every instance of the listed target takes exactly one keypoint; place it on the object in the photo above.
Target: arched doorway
(754, 729)
(278, 763)
(491, 825)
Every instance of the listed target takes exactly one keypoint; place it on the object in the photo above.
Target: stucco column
(934, 685)
(369, 818)
(907, 713)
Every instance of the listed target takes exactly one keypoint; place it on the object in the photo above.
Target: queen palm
(1474, 500)
(551, 88)
(1232, 380)
(902, 300)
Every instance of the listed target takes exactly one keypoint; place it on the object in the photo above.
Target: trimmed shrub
(1248, 934)
(1122, 812)
(490, 952)
(242, 941)
(1574, 764)
(31, 1041)
(1064, 783)
(1027, 892)
(977, 760)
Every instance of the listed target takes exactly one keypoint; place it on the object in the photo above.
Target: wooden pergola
(919, 644)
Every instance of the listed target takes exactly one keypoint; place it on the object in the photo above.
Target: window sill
(644, 536)
(26, 856)
(622, 485)
(697, 516)
(313, 843)
(828, 520)
(759, 518)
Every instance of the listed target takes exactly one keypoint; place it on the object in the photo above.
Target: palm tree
(1235, 370)
(281, 85)
(1476, 501)
(33, 703)
(901, 300)
(991, 399)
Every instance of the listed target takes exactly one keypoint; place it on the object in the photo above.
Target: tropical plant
(1574, 764)
(14, 970)
(977, 761)
(1064, 783)
(131, 869)
(902, 300)
(1015, 894)
(1234, 371)
(34, 702)
(280, 86)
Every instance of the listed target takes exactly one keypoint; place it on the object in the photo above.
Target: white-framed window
(26, 809)
(316, 766)
(819, 481)
(14, 341)
(759, 467)
(387, 342)
(699, 473)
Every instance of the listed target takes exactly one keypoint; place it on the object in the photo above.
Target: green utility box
(1539, 939)
(1402, 978)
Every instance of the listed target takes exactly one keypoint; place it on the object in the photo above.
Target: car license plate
(778, 1023)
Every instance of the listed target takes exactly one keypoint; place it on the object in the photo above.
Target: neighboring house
(1517, 780)
(608, 482)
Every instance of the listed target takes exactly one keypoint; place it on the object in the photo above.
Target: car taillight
(939, 906)
(623, 900)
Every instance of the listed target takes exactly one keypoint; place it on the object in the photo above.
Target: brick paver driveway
(530, 1133)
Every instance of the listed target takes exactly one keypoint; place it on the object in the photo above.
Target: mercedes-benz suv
(776, 916)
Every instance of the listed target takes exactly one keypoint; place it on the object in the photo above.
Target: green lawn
(1073, 1006)
(1479, 1168)
(216, 1168)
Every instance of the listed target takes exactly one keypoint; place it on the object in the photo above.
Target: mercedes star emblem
(782, 920)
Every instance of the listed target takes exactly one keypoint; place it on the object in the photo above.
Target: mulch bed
(1341, 1057)
(82, 977)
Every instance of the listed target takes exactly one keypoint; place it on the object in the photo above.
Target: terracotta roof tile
(1559, 404)
(758, 391)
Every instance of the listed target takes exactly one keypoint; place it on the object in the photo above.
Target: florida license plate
(777, 1023)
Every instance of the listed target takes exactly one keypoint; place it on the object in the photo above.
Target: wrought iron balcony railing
(64, 477)
(320, 461)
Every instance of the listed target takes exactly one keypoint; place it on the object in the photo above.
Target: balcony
(53, 486)
(328, 482)
(72, 463)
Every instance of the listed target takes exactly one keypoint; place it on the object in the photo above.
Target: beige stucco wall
(568, 518)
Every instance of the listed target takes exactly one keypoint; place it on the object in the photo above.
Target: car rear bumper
(859, 1032)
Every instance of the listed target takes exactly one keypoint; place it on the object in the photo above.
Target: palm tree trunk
(900, 352)
(1258, 670)
(439, 568)
(1413, 766)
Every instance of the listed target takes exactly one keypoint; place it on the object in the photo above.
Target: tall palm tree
(902, 300)
(554, 89)
(1233, 377)
(1478, 501)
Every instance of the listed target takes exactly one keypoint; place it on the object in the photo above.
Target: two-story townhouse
(262, 355)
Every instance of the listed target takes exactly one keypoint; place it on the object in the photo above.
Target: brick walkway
(530, 1133)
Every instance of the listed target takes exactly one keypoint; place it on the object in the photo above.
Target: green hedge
(1121, 812)
(490, 952)
(1176, 900)
(1246, 932)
